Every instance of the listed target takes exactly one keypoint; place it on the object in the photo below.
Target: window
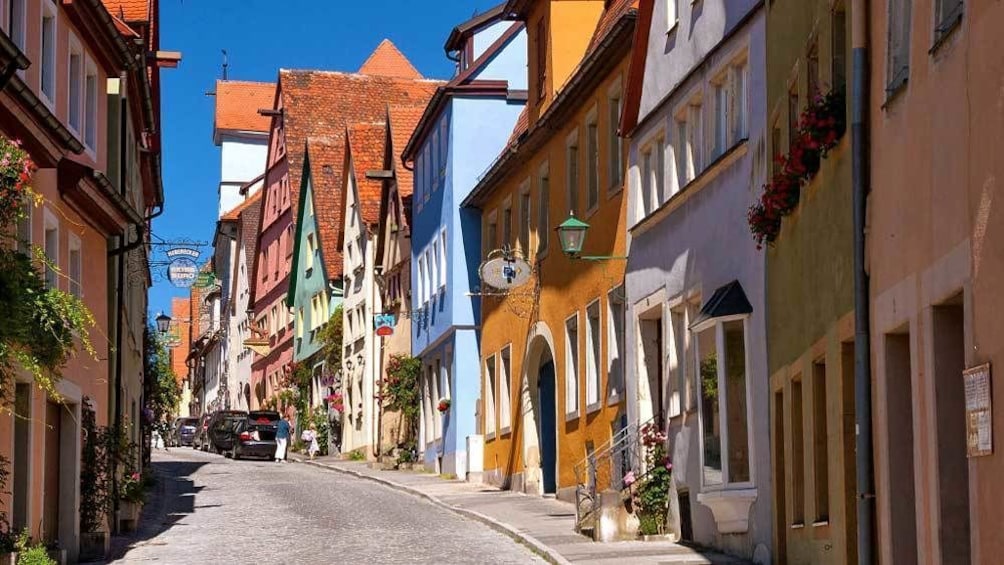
(505, 390)
(819, 448)
(541, 45)
(593, 350)
(444, 147)
(419, 175)
(721, 349)
(690, 142)
(740, 108)
(653, 180)
(572, 172)
(730, 109)
(434, 266)
(838, 36)
(677, 359)
(775, 142)
(721, 119)
(572, 365)
(797, 454)
(491, 234)
(14, 20)
(491, 424)
(898, 55)
(673, 13)
(507, 224)
(421, 279)
(947, 13)
(615, 343)
(76, 267)
(76, 87)
(793, 114)
(442, 259)
(543, 211)
(812, 69)
(299, 322)
(592, 164)
(434, 169)
(615, 146)
(311, 249)
(524, 219)
(47, 72)
(51, 250)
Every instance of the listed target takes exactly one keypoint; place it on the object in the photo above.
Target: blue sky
(262, 36)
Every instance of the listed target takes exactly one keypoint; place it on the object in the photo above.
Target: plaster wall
(935, 226)
(242, 158)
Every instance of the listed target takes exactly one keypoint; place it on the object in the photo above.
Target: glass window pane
(735, 396)
(711, 425)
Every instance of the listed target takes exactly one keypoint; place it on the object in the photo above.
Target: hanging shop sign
(205, 280)
(384, 324)
(979, 413)
(182, 270)
(505, 271)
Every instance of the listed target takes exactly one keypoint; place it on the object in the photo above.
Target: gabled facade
(810, 296)
(315, 288)
(241, 133)
(364, 152)
(311, 104)
(552, 376)
(461, 132)
(694, 286)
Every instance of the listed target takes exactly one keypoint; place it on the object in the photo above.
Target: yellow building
(552, 349)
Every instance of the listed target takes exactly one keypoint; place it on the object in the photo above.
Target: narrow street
(209, 509)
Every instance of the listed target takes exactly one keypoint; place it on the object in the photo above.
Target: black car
(221, 427)
(255, 435)
(183, 431)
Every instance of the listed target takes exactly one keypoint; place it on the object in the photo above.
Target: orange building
(552, 350)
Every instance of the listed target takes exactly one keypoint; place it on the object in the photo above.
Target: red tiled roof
(324, 103)
(238, 102)
(326, 156)
(366, 146)
(123, 27)
(234, 214)
(611, 15)
(129, 10)
(388, 61)
(403, 120)
(521, 127)
(247, 235)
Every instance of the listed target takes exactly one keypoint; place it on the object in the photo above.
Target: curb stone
(531, 542)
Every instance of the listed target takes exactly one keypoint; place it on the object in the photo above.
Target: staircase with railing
(604, 469)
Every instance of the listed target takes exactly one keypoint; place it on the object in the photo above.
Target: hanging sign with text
(979, 414)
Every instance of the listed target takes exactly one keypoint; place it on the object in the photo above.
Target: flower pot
(93, 546)
(659, 537)
(128, 515)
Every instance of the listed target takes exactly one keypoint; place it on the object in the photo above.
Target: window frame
(75, 49)
(504, 376)
(443, 271)
(22, 41)
(75, 280)
(543, 210)
(572, 357)
(593, 160)
(594, 371)
(523, 237)
(616, 340)
(946, 22)
(48, 10)
(615, 149)
(572, 172)
(49, 220)
(897, 45)
(718, 324)
(491, 378)
(491, 233)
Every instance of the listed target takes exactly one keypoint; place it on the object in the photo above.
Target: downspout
(862, 322)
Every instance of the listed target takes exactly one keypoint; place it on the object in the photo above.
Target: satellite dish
(504, 270)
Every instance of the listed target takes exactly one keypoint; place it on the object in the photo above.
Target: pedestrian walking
(310, 438)
(282, 434)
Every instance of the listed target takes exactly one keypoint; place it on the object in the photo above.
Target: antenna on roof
(226, 63)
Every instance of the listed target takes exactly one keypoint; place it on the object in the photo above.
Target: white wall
(241, 160)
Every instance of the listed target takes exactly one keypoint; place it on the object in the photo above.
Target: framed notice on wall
(979, 415)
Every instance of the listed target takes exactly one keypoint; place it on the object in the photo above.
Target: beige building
(936, 259)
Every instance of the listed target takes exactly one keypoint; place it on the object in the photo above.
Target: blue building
(463, 130)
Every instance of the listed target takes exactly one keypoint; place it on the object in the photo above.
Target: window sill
(594, 407)
(798, 525)
(615, 189)
(893, 92)
(490, 436)
(505, 432)
(569, 416)
(731, 508)
(821, 523)
(944, 32)
(673, 27)
(614, 399)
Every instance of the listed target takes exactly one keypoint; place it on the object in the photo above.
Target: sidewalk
(545, 525)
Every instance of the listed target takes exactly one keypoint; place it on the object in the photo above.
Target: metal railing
(605, 469)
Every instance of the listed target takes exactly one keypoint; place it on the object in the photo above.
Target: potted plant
(444, 405)
(653, 489)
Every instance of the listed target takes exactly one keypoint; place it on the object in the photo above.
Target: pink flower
(629, 479)
(135, 476)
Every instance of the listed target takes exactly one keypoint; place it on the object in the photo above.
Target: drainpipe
(862, 334)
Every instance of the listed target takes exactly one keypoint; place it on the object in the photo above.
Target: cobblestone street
(209, 509)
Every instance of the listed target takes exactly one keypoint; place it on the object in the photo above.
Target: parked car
(183, 431)
(221, 427)
(255, 435)
(201, 439)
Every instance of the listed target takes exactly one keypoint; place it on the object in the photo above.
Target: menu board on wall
(979, 415)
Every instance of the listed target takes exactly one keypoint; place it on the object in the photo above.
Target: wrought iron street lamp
(163, 323)
(572, 234)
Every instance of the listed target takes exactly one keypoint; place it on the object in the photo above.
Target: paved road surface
(214, 510)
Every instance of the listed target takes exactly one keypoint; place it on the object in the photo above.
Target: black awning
(728, 300)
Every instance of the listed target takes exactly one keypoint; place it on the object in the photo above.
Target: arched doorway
(540, 430)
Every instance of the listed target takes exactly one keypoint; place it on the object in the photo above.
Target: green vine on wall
(399, 391)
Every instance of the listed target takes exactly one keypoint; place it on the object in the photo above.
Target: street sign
(182, 272)
(205, 280)
(505, 271)
(384, 324)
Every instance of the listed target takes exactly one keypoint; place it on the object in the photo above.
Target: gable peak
(388, 61)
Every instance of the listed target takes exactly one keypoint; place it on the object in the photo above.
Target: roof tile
(326, 155)
(388, 61)
(129, 10)
(367, 143)
(238, 102)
